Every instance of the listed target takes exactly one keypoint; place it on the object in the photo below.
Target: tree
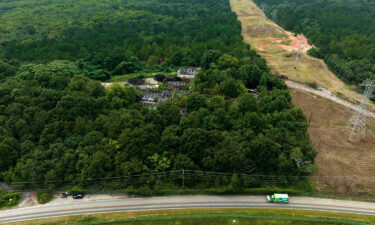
(227, 61)
(98, 166)
(176, 59)
(99, 75)
(235, 183)
(195, 101)
(231, 88)
(184, 162)
(247, 103)
(126, 95)
(170, 113)
(209, 57)
(127, 67)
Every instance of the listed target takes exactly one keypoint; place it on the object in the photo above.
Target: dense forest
(58, 125)
(112, 36)
(343, 32)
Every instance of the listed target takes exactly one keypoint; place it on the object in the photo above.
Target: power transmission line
(357, 123)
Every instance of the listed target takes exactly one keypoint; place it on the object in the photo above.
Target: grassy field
(127, 77)
(212, 217)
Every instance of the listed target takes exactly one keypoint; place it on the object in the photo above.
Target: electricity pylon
(357, 123)
(298, 53)
(262, 19)
(274, 15)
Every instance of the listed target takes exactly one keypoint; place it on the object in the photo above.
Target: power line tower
(357, 123)
(262, 19)
(274, 15)
(298, 52)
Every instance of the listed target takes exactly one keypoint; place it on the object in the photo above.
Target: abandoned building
(188, 72)
(149, 98)
(175, 84)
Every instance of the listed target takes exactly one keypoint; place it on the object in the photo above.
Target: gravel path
(326, 94)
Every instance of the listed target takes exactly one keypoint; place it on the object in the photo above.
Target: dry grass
(337, 155)
(266, 37)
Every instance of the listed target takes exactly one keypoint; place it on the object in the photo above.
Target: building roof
(188, 71)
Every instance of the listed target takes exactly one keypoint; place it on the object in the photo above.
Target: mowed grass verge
(212, 217)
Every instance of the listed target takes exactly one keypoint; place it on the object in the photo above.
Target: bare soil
(297, 43)
(57, 200)
(344, 165)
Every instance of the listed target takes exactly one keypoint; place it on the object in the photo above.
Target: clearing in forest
(348, 166)
(279, 48)
(343, 166)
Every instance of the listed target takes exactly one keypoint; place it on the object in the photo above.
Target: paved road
(326, 94)
(123, 204)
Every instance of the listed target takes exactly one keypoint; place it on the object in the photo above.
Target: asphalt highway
(123, 204)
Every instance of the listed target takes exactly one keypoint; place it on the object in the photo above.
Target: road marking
(271, 205)
(181, 208)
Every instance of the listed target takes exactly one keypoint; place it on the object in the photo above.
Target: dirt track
(326, 94)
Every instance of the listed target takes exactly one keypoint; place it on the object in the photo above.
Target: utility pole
(357, 123)
(310, 120)
(183, 178)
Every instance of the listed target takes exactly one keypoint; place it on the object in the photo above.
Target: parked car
(64, 194)
(78, 196)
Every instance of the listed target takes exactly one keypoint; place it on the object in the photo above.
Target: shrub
(136, 81)
(235, 183)
(76, 191)
(287, 42)
(313, 85)
(289, 54)
(159, 77)
(43, 197)
(9, 199)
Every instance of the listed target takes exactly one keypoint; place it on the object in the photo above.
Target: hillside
(268, 38)
(338, 160)
(343, 166)
(342, 31)
(59, 127)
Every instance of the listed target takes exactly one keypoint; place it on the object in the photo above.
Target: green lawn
(214, 217)
(127, 77)
(221, 220)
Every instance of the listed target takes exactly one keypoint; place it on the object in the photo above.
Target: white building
(188, 72)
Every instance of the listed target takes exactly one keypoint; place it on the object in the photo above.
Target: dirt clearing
(344, 166)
